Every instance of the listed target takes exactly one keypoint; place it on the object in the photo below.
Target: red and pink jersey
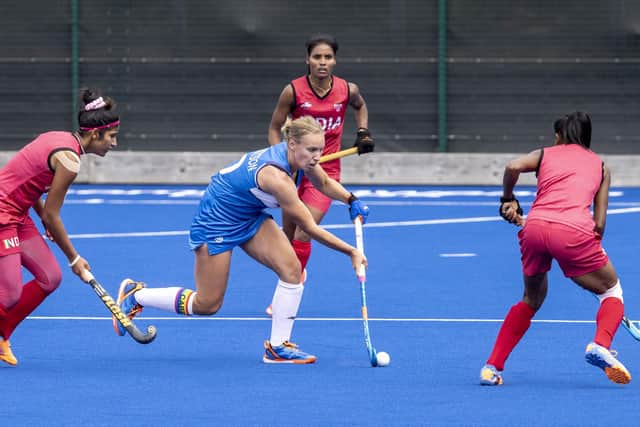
(568, 179)
(329, 112)
(28, 175)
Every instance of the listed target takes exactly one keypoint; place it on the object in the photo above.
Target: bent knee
(50, 279)
(206, 308)
(291, 272)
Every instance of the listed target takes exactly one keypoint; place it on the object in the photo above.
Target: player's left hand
(47, 233)
(357, 208)
(364, 141)
(598, 231)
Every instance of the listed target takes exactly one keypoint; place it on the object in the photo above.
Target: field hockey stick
(339, 154)
(362, 278)
(631, 328)
(126, 323)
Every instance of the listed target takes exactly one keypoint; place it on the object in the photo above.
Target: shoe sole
(490, 383)
(121, 297)
(618, 375)
(288, 361)
(614, 373)
(9, 361)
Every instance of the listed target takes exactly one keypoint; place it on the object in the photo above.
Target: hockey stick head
(107, 300)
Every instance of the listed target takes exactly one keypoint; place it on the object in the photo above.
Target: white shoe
(604, 359)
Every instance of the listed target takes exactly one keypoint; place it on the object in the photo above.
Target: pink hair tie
(95, 104)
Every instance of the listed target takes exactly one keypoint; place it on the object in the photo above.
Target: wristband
(75, 261)
(351, 199)
(508, 199)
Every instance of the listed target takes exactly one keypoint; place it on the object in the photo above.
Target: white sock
(286, 300)
(174, 299)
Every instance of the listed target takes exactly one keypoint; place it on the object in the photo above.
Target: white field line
(335, 226)
(310, 319)
(179, 202)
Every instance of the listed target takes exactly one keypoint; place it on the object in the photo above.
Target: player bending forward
(231, 214)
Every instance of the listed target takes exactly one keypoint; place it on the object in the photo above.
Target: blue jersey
(232, 208)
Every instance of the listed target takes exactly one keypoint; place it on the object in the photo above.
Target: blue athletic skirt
(222, 236)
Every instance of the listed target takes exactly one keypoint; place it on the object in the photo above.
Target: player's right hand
(511, 211)
(79, 267)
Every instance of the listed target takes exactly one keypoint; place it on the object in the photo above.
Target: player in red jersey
(560, 226)
(49, 164)
(325, 97)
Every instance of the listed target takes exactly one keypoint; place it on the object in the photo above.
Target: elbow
(511, 168)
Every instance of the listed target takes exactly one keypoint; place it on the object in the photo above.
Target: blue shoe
(604, 359)
(489, 375)
(127, 303)
(286, 353)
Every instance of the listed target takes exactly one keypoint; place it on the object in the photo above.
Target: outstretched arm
(276, 182)
(65, 173)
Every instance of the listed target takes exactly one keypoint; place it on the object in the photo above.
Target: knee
(535, 304)
(534, 300)
(291, 272)
(288, 268)
(614, 291)
(50, 279)
(206, 308)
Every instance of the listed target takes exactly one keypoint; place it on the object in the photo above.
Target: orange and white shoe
(303, 278)
(605, 359)
(6, 355)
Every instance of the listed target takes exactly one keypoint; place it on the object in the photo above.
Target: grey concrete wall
(377, 168)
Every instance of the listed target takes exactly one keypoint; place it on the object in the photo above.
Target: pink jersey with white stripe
(568, 179)
(28, 175)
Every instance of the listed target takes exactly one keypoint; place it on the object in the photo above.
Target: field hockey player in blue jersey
(231, 214)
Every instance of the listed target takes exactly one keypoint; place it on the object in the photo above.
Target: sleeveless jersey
(28, 175)
(568, 179)
(234, 195)
(329, 112)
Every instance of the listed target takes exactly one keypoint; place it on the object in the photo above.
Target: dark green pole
(442, 75)
(74, 64)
